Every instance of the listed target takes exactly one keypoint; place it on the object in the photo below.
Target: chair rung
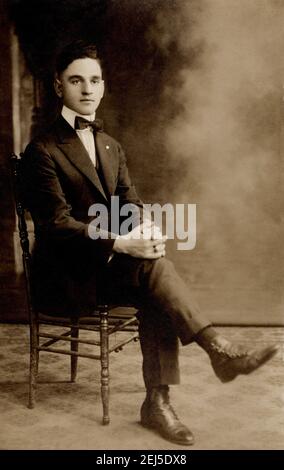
(119, 330)
(122, 325)
(63, 338)
(119, 346)
(52, 341)
(78, 327)
(69, 353)
(121, 317)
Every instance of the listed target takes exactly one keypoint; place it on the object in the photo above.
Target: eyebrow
(72, 77)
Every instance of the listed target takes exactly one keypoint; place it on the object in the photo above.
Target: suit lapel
(72, 147)
(104, 155)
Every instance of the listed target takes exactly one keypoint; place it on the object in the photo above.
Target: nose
(86, 88)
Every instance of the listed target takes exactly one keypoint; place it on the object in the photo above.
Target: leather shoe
(229, 360)
(158, 414)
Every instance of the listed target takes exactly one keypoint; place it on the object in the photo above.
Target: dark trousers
(167, 312)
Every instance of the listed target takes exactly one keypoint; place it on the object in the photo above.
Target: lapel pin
(107, 147)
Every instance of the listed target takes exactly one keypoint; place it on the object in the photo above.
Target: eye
(96, 81)
(75, 81)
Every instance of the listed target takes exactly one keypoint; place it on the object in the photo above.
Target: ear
(102, 89)
(58, 87)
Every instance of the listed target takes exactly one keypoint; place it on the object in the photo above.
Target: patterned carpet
(245, 414)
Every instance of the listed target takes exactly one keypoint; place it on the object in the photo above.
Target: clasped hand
(144, 241)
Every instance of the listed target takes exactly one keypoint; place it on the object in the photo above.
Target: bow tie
(81, 123)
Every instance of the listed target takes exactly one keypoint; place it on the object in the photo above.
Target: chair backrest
(18, 188)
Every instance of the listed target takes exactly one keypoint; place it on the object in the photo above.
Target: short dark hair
(78, 49)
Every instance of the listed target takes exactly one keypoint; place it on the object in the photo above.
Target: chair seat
(116, 314)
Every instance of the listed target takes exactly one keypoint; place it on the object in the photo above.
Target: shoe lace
(221, 350)
(173, 412)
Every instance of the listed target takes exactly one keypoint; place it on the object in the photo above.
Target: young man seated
(69, 169)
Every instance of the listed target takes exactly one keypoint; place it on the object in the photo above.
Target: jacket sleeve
(51, 212)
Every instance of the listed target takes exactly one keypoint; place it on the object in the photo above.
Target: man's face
(81, 86)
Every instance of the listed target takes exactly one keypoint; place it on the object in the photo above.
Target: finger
(159, 248)
(148, 222)
(149, 244)
(146, 225)
(135, 234)
(156, 234)
(163, 239)
(158, 242)
(146, 234)
(153, 255)
(155, 242)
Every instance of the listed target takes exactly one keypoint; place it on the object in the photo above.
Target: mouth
(87, 101)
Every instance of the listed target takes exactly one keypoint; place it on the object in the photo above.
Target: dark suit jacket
(61, 184)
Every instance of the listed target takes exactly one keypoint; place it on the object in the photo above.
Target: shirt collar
(69, 116)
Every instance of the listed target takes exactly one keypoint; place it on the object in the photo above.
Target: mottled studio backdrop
(195, 95)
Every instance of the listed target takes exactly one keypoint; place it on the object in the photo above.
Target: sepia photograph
(142, 227)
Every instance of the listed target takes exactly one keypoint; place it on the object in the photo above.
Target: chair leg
(33, 362)
(74, 348)
(37, 351)
(104, 363)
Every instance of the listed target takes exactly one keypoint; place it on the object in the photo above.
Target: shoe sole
(164, 435)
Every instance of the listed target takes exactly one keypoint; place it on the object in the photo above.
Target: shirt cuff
(112, 255)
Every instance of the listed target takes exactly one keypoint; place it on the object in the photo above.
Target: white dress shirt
(85, 135)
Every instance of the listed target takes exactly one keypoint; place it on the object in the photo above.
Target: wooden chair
(104, 322)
